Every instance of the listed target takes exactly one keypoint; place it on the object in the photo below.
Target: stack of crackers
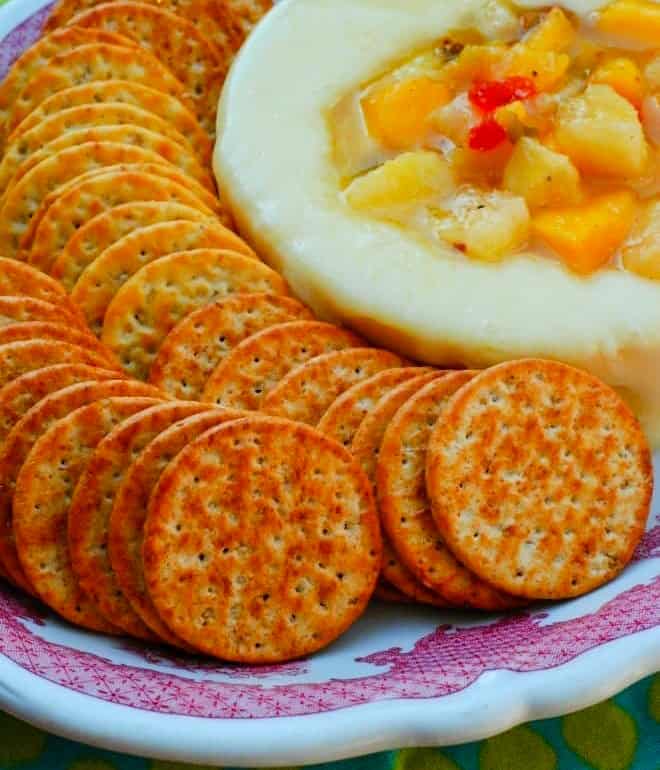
(187, 455)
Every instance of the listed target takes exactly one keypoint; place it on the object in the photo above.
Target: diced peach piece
(587, 236)
(475, 62)
(409, 179)
(623, 75)
(601, 132)
(635, 20)
(546, 69)
(397, 113)
(553, 33)
(642, 253)
(542, 177)
(485, 225)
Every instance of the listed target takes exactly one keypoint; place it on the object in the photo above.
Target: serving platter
(402, 676)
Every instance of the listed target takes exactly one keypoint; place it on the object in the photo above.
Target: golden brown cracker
(244, 378)
(254, 492)
(37, 57)
(25, 433)
(405, 509)
(129, 511)
(167, 108)
(41, 330)
(22, 309)
(540, 479)
(198, 343)
(90, 63)
(385, 592)
(102, 190)
(103, 278)
(344, 416)
(159, 295)
(306, 392)
(17, 278)
(191, 57)
(105, 229)
(42, 499)
(247, 13)
(91, 507)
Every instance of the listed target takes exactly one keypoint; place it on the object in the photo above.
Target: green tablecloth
(620, 734)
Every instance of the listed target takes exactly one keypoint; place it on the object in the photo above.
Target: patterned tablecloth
(620, 734)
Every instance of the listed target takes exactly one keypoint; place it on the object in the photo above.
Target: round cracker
(20, 309)
(187, 53)
(306, 392)
(89, 63)
(103, 230)
(211, 17)
(129, 512)
(196, 345)
(42, 499)
(35, 58)
(103, 278)
(365, 448)
(151, 303)
(404, 506)
(39, 330)
(344, 416)
(23, 436)
(100, 191)
(21, 394)
(244, 378)
(388, 593)
(22, 202)
(89, 514)
(17, 278)
(178, 155)
(540, 479)
(72, 121)
(17, 358)
(254, 492)
(169, 109)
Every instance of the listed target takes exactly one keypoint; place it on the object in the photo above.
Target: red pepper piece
(488, 95)
(487, 135)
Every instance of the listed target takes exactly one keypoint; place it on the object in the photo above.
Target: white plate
(400, 677)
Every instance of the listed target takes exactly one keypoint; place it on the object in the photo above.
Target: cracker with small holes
(404, 506)
(41, 330)
(245, 377)
(195, 347)
(540, 479)
(168, 150)
(37, 58)
(42, 498)
(191, 57)
(385, 592)
(22, 201)
(70, 122)
(103, 278)
(212, 18)
(129, 512)
(262, 541)
(366, 447)
(344, 416)
(91, 63)
(91, 195)
(306, 392)
(104, 230)
(151, 303)
(23, 436)
(21, 394)
(18, 279)
(89, 514)
(23, 309)
(162, 106)
(247, 13)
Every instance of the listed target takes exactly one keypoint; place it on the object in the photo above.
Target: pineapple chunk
(481, 167)
(624, 77)
(652, 74)
(455, 119)
(486, 225)
(542, 177)
(587, 236)
(409, 179)
(635, 20)
(554, 33)
(600, 131)
(642, 253)
(475, 62)
(546, 69)
(397, 113)
(496, 21)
